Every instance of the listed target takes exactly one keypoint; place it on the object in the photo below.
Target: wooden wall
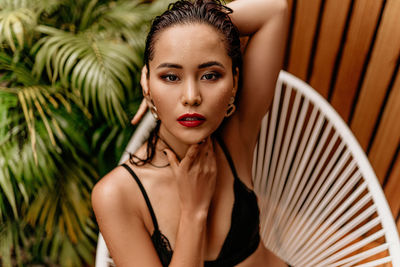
(349, 51)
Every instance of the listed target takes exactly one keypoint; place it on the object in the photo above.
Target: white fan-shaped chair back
(320, 201)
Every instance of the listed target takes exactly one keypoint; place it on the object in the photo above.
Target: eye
(210, 76)
(170, 77)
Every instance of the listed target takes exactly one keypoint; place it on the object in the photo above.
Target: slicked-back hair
(210, 12)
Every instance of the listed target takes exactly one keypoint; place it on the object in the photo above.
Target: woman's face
(190, 82)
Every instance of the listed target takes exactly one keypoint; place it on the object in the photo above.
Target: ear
(235, 82)
(144, 82)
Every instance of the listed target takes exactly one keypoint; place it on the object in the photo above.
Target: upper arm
(121, 225)
(265, 21)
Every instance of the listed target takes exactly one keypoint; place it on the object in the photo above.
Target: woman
(185, 198)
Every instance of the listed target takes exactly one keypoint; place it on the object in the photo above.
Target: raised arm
(265, 22)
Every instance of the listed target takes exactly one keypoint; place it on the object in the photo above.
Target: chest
(164, 197)
(166, 205)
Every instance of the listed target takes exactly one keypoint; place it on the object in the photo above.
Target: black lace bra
(243, 236)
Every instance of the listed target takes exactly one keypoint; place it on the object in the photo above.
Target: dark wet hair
(210, 12)
(183, 12)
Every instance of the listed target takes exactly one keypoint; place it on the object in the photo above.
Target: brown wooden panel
(331, 32)
(290, 6)
(379, 72)
(291, 12)
(388, 135)
(392, 189)
(361, 29)
(302, 37)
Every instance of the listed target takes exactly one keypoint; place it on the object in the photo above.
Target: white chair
(320, 201)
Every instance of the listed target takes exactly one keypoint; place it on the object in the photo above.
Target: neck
(173, 143)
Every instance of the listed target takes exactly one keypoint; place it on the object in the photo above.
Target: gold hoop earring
(153, 111)
(231, 107)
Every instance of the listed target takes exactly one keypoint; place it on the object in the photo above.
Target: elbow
(280, 7)
(283, 5)
(273, 9)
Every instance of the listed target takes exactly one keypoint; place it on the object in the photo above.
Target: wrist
(199, 216)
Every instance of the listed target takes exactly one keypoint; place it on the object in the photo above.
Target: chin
(191, 140)
(193, 137)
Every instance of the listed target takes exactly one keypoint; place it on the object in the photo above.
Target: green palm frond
(63, 209)
(13, 239)
(15, 23)
(7, 184)
(39, 102)
(18, 19)
(125, 14)
(130, 20)
(70, 254)
(36, 5)
(99, 68)
(58, 187)
(16, 73)
(63, 205)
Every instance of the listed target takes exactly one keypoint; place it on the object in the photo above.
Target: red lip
(191, 119)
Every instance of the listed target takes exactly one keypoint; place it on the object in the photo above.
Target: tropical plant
(68, 84)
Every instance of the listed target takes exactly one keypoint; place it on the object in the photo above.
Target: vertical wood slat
(291, 12)
(302, 36)
(388, 135)
(368, 59)
(331, 31)
(380, 69)
(290, 6)
(361, 29)
(392, 189)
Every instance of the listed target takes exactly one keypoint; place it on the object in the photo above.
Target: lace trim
(163, 247)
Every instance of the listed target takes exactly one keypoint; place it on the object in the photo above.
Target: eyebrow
(169, 65)
(210, 64)
(201, 66)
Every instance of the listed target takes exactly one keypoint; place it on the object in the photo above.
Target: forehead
(190, 43)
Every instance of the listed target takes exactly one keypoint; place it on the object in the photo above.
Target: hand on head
(140, 112)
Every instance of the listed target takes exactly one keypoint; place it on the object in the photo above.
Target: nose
(191, 94)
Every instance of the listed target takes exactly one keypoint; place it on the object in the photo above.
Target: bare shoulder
(118, 206)
(112, 195)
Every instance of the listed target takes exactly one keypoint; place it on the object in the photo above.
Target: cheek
(221, 99)
(220, 105)
(162, 98)
(164, 103)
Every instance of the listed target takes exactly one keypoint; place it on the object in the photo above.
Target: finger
(204, 151)
(144, 81)
(209, 150)
(190, 156)
(211, 154)
(172, 158)
(211, 161)
(211, 146)
(140, 112)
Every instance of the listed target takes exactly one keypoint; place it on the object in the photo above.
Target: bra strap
(227, 155)
(146, 198)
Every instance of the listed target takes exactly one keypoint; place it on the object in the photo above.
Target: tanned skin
(193, 196)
